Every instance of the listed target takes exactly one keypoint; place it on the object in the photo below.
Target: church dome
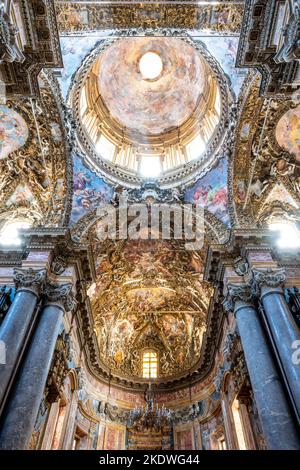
(150, 107)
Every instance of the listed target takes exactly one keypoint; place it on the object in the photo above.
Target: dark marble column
(21, 412)
(16, 324)
(284, 331)
(277, 423)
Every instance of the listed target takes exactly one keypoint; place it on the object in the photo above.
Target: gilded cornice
(42, 164)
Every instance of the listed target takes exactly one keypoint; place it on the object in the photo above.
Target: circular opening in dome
(150, 65)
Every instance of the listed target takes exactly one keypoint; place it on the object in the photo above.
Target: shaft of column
(284, 330)
(276, 420)
(20, 415)
(16, 324)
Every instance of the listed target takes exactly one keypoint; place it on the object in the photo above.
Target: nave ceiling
(149, 293)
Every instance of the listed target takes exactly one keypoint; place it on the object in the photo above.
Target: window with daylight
(150, 364)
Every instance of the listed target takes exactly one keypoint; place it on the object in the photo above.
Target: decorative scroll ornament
(112, 413)
(268, 278)
(59, 368)
(9, 50)
(61, 295)
(237, 292)
(33, 279)
(188, 413)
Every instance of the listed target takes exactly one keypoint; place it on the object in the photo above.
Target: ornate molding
(257, 48)
(30, 279)
(61, 295)
(43, 165)
(23, 56)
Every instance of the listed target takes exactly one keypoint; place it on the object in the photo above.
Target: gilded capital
(31, 279)
(61, 295)
(235, 293)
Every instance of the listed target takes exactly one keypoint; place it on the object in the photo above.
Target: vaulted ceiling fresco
(149, 294)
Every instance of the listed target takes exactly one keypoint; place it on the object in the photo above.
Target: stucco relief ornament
(237, 292)
(59, 368)
(9, 50)
(268, 278)
(62, 295)
(32, 279)
(59, 265)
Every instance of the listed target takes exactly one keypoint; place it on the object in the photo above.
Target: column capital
(268, 280)
(238, 293)
(30, 279)
(60, 295)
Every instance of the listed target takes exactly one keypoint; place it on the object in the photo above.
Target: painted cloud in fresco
(288, 132)
(224, 49)
(211, 192)
(13, 131)
(90, 191)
